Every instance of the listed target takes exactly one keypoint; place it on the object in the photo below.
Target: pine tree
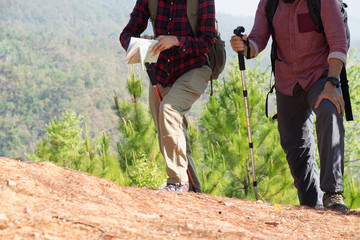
(352, 134)
(139, 154)
(107, 163)
(226, 167)
(88, 152)
(62, 142)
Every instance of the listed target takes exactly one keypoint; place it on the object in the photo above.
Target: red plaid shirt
(172, 19)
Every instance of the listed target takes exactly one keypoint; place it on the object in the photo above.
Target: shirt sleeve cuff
(256, 48)
(338, 55)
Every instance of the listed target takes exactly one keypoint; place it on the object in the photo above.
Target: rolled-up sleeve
(260, 33)
(137, 24)
(334, 30)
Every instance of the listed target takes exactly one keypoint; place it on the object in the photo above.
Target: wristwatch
(334, 80)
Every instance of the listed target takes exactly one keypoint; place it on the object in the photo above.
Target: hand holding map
(139, 51)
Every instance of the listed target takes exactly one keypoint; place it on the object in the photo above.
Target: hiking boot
(171, 187)
(334, 201)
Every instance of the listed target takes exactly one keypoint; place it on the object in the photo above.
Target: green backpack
(217, 54)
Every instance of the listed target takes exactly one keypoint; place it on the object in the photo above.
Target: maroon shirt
(303, 52)
(172, 19)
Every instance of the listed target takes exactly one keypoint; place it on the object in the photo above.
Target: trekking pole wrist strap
(248, 49)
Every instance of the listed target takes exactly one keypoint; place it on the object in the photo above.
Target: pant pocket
(198, 79)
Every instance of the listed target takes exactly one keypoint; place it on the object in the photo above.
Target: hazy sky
(248, 7)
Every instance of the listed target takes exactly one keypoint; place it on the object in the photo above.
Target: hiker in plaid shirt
(182, 73)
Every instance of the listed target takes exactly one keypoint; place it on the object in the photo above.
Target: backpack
(314, 9)
(217, 54)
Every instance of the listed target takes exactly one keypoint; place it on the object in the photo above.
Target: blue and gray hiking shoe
(334, 201)
(171, 187)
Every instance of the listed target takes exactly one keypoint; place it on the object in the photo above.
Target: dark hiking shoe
(334, 201)
(170, 187)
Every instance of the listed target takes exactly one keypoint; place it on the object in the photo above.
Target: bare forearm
(335, 66)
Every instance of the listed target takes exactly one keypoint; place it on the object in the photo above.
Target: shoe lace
(336, 198)
(171, 187)
(174, 187)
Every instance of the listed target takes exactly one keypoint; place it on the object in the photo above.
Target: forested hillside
(57, 56)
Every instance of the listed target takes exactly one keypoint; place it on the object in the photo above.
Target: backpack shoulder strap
(315, 10)
(192, 9)
(153, 5)
(270, 10)
(346, 94)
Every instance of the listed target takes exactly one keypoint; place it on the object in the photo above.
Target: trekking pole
(238, 31)
(154, 84)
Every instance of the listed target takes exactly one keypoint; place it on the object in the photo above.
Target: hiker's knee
(325, 110)
(168, 112)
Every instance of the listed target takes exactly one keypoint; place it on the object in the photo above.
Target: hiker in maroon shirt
(306, 74)
(182, 73)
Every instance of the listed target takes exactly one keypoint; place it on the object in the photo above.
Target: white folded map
(139, 51)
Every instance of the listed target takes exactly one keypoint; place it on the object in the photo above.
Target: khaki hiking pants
(171, 123)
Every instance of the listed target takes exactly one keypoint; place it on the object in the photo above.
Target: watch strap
(334, 80)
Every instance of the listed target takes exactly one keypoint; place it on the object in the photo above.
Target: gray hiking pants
(171, 122)
(295, 124)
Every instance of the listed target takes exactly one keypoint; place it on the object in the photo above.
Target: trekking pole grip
(238, 32)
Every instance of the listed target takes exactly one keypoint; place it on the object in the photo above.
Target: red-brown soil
(43, 201)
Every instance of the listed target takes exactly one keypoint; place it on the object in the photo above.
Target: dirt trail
(43, 201)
